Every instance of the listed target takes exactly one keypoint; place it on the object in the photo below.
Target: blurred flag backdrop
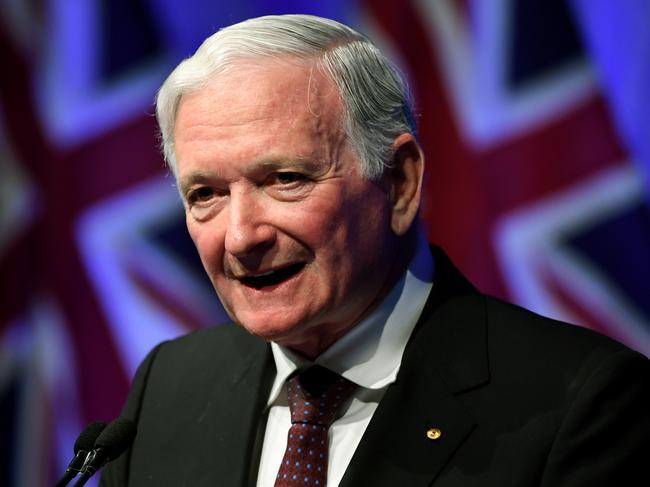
(534, 115)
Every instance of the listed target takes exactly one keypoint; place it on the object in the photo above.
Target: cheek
(344, 236)
(365, 219)
(365, 236)
(206, 240)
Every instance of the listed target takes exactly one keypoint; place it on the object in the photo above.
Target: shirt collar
(370, 354)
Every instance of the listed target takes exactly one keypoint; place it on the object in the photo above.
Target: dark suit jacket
(520, 400)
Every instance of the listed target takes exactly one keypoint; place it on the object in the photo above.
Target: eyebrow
(197, 177)
(203, 177)
(297, 162)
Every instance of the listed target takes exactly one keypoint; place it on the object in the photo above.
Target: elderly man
(358, 356)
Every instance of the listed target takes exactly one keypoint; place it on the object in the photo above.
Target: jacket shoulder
(194, 395)
(515, 328)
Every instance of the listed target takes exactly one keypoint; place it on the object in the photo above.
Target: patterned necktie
(315, 396)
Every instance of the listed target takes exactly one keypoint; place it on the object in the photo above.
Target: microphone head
(86, 439)
(116, 437)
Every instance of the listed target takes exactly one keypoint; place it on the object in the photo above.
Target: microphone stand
(75, 467)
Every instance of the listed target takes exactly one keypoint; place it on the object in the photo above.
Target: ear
(405, 179)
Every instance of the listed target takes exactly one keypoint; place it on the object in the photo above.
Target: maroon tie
(315, 396)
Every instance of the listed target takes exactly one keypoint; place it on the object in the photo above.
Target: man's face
(295, 240)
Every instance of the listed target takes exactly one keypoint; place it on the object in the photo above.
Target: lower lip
(275, 287)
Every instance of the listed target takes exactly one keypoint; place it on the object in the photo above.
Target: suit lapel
(446, 355)
(395, 449)
(216, 408)
(240, 421)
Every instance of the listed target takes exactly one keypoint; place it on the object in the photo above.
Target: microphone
(110, 444)
(82, 447)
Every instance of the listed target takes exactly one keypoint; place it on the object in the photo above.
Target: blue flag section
(535, 120)
(618, 40)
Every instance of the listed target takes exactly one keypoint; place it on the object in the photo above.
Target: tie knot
(316, 395)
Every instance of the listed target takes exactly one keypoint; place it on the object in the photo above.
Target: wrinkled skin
(298, 244)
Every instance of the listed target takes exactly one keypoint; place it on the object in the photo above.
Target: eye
(200, 195)
(288, 185)
(288, 178)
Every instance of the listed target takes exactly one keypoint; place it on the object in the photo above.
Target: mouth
(272, 278)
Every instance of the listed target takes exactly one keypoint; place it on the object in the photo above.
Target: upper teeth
(263, 274)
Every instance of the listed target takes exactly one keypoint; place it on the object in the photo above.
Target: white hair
(374, 94)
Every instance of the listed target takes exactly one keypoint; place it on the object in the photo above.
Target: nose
(248, 230)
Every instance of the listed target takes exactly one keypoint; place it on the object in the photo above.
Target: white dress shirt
(369, 355)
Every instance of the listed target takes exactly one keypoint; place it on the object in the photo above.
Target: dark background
(534, 116)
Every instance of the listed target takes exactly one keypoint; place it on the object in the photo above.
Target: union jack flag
(529, 187)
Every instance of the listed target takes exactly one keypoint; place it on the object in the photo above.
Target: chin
(270, 331)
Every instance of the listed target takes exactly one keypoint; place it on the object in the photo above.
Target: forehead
(263, 101)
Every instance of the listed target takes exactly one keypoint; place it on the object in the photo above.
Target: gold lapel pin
(434, 433)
